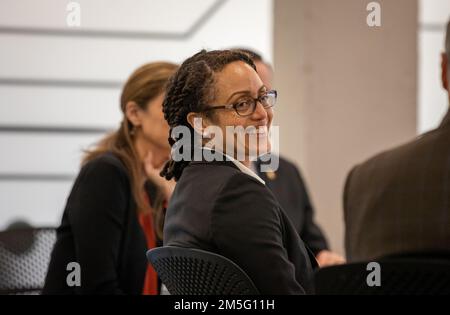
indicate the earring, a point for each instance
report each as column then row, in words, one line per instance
column 132, row 131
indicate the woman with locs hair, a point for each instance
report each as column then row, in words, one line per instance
column 115, row 210
column 222, row 206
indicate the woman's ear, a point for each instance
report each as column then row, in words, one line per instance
column 132, row 111
column 197, row 122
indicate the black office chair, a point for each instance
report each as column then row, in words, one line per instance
column 187, row 271
column 399, row 276
column 24, row 258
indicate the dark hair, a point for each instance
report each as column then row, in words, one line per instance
column 190, row 89
column 256, row 57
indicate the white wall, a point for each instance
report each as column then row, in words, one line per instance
column 432, row 98
column 347, row 91
column 60, row 86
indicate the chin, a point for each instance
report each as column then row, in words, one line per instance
column 263, row 148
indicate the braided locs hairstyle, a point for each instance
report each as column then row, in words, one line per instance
column 191, row 89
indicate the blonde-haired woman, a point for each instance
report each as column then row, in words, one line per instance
column 115, row 210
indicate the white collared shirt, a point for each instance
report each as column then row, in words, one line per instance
column 244, row 169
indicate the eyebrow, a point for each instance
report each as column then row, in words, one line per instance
column 245, row 92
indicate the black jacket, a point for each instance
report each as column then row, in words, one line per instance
column 288, row 186
column 216, row 207
column 100, row 230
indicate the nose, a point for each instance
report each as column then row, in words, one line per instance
column 260, row 112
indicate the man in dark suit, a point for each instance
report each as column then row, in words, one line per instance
column 288, row 186
column 398, row 202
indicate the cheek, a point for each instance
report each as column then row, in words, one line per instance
column 156, row 118
column 221, row 121
column 269, row 116
column 154, row 126
column 147, row 127
column 234, row 121
column 156, row 112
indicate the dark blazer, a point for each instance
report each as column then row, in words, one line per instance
column 218, row 208
column 399, row 201
column 100, row 230
column 288, row 186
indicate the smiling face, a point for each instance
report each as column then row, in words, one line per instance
column 238, row 82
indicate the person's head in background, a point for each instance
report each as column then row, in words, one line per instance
column 446, row 62
column 264, row 69
column 204, row 86
column 142, row 134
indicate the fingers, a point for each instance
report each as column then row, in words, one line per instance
column 328, row 258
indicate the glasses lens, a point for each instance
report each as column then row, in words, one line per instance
column 246, row 107
column 269, row 99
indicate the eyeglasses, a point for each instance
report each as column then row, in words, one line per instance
column 247, row 106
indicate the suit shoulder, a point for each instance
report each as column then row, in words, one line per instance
column 105, row 165
column 211, row 169
column 285, row 165
column 241, row 191
column 399, row 155
column 247, row 192
column 201, row 179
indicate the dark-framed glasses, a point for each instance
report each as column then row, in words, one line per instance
column 247, row 106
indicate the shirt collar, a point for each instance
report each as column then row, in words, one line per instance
column 244, row 169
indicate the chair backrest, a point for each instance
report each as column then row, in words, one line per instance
column 24, row 258
column 397, row 276
column 187, row 271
